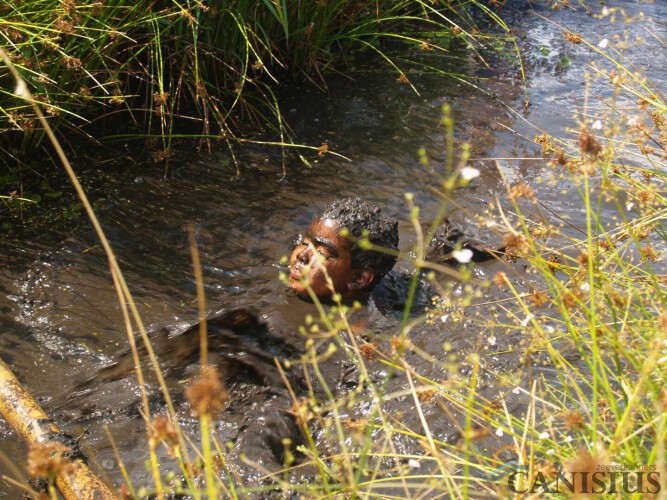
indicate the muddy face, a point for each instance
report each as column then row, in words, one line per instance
column 323, row 252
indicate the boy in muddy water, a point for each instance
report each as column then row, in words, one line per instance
column 257, row 418
column 329, row 259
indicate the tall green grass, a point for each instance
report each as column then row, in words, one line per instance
column 214, row 63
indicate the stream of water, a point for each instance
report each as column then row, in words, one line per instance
column 59, row 313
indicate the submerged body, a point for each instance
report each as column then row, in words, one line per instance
column 258, row 417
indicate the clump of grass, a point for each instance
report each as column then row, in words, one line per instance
column 591, row 308
column 216, row 64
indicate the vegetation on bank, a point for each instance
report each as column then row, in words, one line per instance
column 201, row 69
column 216, row 64
column 158, row 71
column 595, row 315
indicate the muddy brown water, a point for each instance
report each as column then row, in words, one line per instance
column 59, row 314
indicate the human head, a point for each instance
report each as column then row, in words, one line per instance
column 353, row 270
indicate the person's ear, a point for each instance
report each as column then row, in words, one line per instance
column 362, row 279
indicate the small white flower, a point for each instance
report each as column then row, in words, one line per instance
column 544, row 435
column 603, row 43
column 463, row 256
column 549, row 329
column 551, row 451
column 632, row 121
column 492, row 340
column 444, row 317
column 568, row 439
column 469, row 173
column 414, row 464
column 629, row 205
column 499, row 432
column 597, row 125
column 526, row 320
column 585, row 287
column 516, row 390
column 21, row 90
column 605, row 11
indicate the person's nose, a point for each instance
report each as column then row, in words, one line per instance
column 305, row 255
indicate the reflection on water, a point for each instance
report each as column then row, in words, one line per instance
column 60, row 315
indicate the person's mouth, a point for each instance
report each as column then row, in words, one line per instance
column 296, row 271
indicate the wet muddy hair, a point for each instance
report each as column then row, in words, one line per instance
column 357, row 217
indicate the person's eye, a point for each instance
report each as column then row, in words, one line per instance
column 296, row 242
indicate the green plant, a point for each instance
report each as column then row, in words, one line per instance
column 166, row 63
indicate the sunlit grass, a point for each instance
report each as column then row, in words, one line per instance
column 169, row 63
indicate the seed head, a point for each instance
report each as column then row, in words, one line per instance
column 516, row 245
column 48, row 460
column 538, row 298
column 588, row 144
column 585, row 462
column 399, row 344
column 544, row 141
column 72, row 62
column 402, row 79
column 521, row 190
column 63, row 26
column 573, row 420
column 206, row 394
column 649, row 253
column 427, row 394
column 500, row 279
column 356, row 424
column 571, row 298
column 368, row 350
column 301, row 411
column 160, row 98
column 162, row 429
